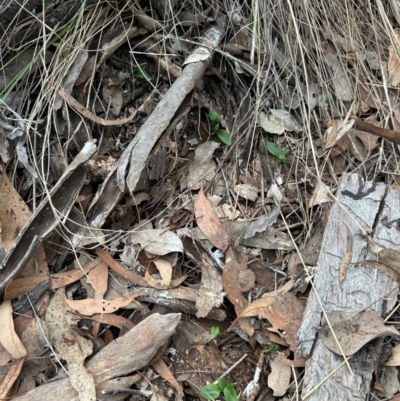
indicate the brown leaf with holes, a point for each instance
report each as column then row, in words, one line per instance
column 209, row 223
column 89, row 306
column 72, row 347
column 285, row 314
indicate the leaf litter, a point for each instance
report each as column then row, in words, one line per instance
column 129, row 231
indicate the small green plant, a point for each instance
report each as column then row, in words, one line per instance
column 213, row 390
column 141, row 74
column 279, row 153
column 214, row 331
column 272, row 348
column 223, row 135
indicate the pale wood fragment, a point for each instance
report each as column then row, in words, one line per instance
column 363, row 288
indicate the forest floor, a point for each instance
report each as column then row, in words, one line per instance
column 166, row 198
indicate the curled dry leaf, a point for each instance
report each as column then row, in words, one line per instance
column 209, row 223
column 353, row 331
column 72, row 347
column 346, row 258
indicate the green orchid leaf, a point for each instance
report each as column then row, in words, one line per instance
column 230, row 393
column 210, row 391
column 222, row 383
column 214, row 117
column 214, row 331
column 141, row 74
column 224, row 136
column 273, row 149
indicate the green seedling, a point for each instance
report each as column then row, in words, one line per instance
column 279, row 153
column 223, row 135
column 213, row 390
column 141, row 74
column 272, row 348
column 214, row 331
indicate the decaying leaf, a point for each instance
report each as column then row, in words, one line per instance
column 209, row 223
column 261, row 224
column 210, row 291
column 246, row 191
column 89, row 306
column 72, row 347
column 353, row 331
column 278, row 121
column 340, row 77
column 336, row 131
column 285, row 313
column 279, row 378
column 157, row 242
column 253, row 308
column 165, row 269
column 202, row 167
column 8, row 337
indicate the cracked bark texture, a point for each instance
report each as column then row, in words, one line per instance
column 376, row 206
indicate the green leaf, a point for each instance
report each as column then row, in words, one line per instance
column 222, row 383
column 214, row 331
column 285, row 151
column 272, row 348
column 214, row 117
column 230, row 393
column 282, row 157
column 224, row 136
column 141, row 74
column 273, row 149
column 210, row 391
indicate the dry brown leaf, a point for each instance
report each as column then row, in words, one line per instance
column 120, row 269
column 72, row 347
column 22, row 286
column 11, row 376
column 338, row 129
column 98, row 279
column 14, row 214
column 279, row 378
column 121, row 322
column 253, row 308
column 394, row 61
column 285, row 314
column 353, row 331
column 63, row 279
column 159, row 284
column 210, row 291
column 8, row 337
column 231, row 283
column 209, row 223
column 89, row 307
column 165, row 269
column 162, row 369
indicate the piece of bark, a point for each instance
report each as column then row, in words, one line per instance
column 362, row 288
column 126, row 174
column 131, row 352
